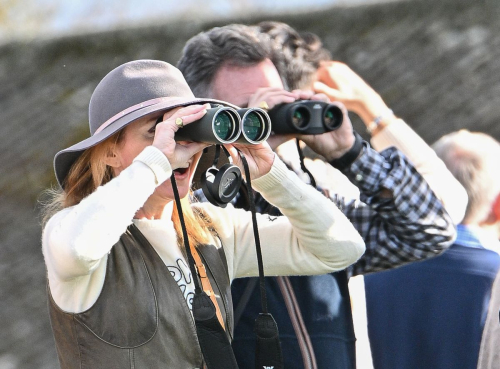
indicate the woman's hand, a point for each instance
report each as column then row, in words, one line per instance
column 178, row 153
column 260, row 158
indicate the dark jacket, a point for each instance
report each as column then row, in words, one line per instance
column 326, row 327
column 328, row 321
column 431, row 314
column 412, row 225
column 140, row 311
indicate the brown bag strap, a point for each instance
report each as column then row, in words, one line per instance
column 205, row 283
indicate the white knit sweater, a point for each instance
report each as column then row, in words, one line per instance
column 313, row 237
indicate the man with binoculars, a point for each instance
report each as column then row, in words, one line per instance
column 400, row 218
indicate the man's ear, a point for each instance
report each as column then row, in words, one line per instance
column 496, row 208
column 112, row 159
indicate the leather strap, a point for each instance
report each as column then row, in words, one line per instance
column 205, row 283
column 349, row 157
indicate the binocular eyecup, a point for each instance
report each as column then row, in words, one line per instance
column 225, row 125
column 306, row 117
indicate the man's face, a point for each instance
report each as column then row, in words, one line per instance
column 237, row 84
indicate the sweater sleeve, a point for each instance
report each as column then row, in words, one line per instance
column 440, row 180
column 77, row 238
column 313, row 236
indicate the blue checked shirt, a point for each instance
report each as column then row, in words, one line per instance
column 411, row 225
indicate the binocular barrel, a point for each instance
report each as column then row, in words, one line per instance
column 306, row 117
column 221, row 125
column 255, row 125
column 224, row 125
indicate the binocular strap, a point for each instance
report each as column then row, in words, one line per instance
column 312, row 181
column 268, row 347
column 214, row 342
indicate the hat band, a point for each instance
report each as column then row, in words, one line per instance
column 133, row 108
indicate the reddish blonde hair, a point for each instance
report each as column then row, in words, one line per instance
column 90, row 171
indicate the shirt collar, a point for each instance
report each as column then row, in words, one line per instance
column 474, row 236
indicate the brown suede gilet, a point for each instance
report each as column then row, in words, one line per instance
column 141, row 319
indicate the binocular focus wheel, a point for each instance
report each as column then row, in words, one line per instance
column 220, row 186
column 207, row 179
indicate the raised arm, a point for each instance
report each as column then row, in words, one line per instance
column 399, row 216
column 312, row 237
column 340, row 83
column 77, row 238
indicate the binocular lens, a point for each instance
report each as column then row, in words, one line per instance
column 308, row 117
column 224, row 125
column 300, row 117
column 333, row 117
column 329, row 116
column 253, row 126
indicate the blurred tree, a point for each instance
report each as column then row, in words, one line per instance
column 25, row 18
column 34, row 18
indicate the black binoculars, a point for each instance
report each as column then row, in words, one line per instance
column 306, row 117
column 224, row 125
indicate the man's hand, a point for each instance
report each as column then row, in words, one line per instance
column 332, row 145
column 272, row 96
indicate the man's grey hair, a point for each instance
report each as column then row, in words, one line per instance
column 472, row 158
column 205, row 53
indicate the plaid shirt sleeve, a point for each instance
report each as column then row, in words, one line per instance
column 411, row 225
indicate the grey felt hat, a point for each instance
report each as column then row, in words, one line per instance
column 127, row 93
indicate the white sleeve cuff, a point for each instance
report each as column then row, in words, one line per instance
column 278, row 173
column 404, row 138
column 157, row 162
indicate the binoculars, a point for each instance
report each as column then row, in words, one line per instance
column 224, row 125
column 306, row 117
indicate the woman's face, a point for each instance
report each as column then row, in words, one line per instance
column 136, row 137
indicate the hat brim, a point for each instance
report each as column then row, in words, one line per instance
column 64, row 159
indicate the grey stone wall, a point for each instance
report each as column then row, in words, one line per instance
column 435, row 63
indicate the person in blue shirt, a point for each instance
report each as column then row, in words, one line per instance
column 431, row 314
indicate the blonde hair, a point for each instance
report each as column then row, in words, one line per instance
column 90, row 171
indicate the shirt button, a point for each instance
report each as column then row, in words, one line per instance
column 359, row 177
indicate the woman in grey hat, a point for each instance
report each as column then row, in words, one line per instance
column 120, row 290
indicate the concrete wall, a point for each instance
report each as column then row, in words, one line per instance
column 436, row 63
